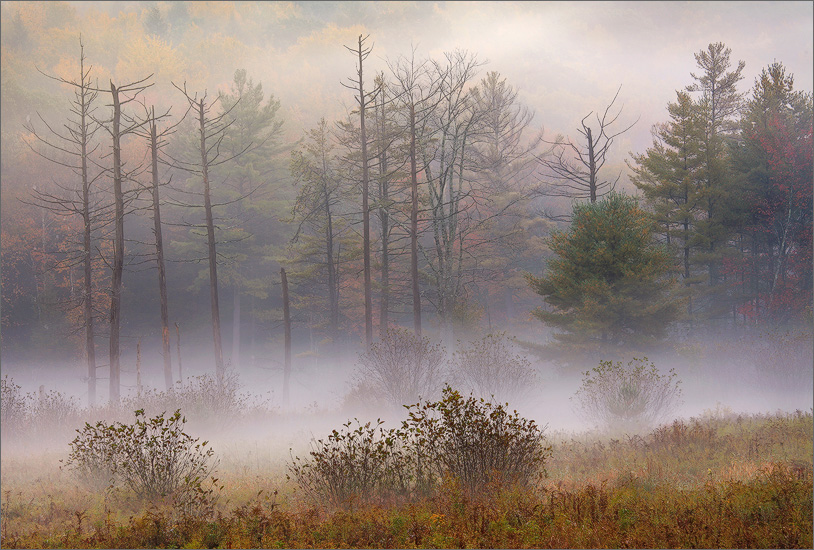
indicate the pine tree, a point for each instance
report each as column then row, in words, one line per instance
column 609, row 283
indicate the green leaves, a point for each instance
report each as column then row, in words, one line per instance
column 609, row 283
column 153, row 457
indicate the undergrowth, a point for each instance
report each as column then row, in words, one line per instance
column 720, row 481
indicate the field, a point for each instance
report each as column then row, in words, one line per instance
column 721, row 480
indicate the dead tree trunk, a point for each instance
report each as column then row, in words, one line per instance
column 414, row 225
column 118, row 252
column 363, row 100
column 159, row 251
column 287, row 325
column 211, row 250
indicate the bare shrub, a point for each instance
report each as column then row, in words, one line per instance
column 352, row 464
column 15, row 407
column 54, row 413
column 403, row 368
column 153, row 457
column 628, row 398
column 491, row 368
column 208, row 404
column 474, row 441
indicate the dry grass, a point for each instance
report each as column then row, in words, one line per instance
column 723, row 481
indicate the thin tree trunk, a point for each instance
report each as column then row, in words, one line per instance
column 220, row 370
column 236, row 327
column 178, row 349
column 159, row 250
column 90, row 345
column 365, row 207
column 384, row 304
column 414, row 225
column 118, row 252
column 287, row 325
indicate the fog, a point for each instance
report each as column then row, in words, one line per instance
column 565, row 59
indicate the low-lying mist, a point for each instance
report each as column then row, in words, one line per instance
column 755, row 375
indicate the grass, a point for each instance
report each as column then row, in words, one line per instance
column 719, row 481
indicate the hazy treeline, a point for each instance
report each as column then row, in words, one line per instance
column 424, row 206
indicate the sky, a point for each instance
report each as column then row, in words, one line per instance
column 566, row 58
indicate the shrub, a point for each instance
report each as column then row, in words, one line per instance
column 153, row 457
column 403, row 367
column 352, row 463
column 15, row 407
column 630, row 398
column 207, row 404
column 492, row 369
column 474, row 441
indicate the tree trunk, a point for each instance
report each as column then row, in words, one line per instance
column 178, row 349
column 159, row 251
column 118, row 252
column 220, row 370
column 365, row 206
column 414, row 225
column 87, row 311
column 287, row 325
column 236, row 328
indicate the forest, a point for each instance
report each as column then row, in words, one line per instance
column 176, row 238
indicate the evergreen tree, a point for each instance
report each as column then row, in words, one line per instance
column 609, row 283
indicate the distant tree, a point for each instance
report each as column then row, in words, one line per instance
column 363, row 100
column 774, row 161
column 717, row 106
column 668, row 174
column 74, row 148
column 248, row 192
column 212, row 126
column 573, row 168
column 609, row 285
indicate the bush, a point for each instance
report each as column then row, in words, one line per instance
column 403, row 368
column 153, row 457
column 630, row 398
column 15, row 407
column 351, row 464
column 474, row 441
column 490, row 368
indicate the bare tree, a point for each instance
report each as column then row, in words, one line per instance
column 211, row 129
column 363, row 100
column 416, row 98
column 72, row 149
column 574, row 168
column 156, row 142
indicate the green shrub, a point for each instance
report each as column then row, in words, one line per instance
column 474, row 441
column 628, row 398
column 351, row 464
column 153, row 457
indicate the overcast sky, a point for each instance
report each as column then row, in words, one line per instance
column 566, row 58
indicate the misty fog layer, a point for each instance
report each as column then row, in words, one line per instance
column 477, row 121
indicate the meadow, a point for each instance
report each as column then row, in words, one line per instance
column 719, row 480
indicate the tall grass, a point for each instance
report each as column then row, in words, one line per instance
column 721, row 480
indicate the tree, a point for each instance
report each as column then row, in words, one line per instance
column 73, row 150
column 608, row 284
column 668, row 174
column 574, row 168
column 253, row 142
column 718, row 104
column 774, row 161
column 120, row 95
column 320, row 193
column 211, row 131
column 363, row 100
column 415, row 96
